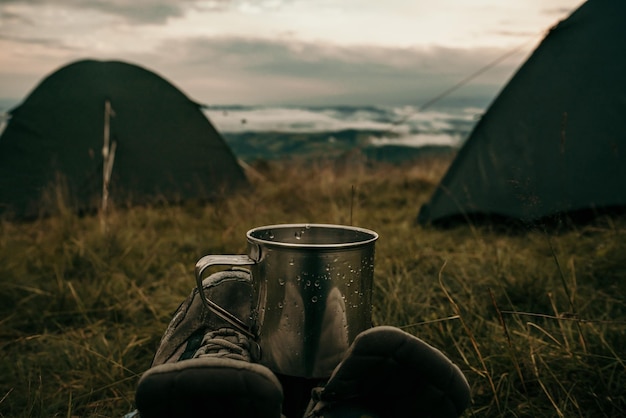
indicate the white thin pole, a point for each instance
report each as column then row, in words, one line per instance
column 108, row 156
column 105, row 156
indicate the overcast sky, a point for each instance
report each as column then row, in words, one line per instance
column 361, row 52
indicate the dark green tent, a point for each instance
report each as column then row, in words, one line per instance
column 554, row 140
column 161, row 145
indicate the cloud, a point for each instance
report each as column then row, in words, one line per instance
column 558, row 12
column 237, row 70
column 136, row 11
column 39, row 36
column 36, row 41
column 13, row 18
column 297, row 72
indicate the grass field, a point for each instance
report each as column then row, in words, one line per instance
column 536, row 319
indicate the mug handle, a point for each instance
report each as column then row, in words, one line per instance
column 223, row 260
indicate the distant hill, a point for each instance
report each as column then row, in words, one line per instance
column 401, row 153
column 253, row 146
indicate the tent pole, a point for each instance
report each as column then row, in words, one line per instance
column 108, row 156
column 105, row 155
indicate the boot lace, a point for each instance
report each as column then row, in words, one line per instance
column 224, row 342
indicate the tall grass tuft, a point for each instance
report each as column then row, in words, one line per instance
column 535, row 319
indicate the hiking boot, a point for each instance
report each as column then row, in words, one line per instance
column 205, row 367
column 388, row 373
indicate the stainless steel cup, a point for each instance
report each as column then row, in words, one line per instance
column 312, row 288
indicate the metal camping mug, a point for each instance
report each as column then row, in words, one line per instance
column 311, row 293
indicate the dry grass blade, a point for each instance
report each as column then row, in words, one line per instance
column 82, row 310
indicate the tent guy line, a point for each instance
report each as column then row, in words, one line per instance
column 445, row 93
column 550, row 142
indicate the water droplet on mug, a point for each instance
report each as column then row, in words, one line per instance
column 291, row 262
column 308, row 283
column 271, row 234
column 280, row 305
column 317, row 283
column 314, row 299
column 281, row 281
column 298, row 235
column 307, row 226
